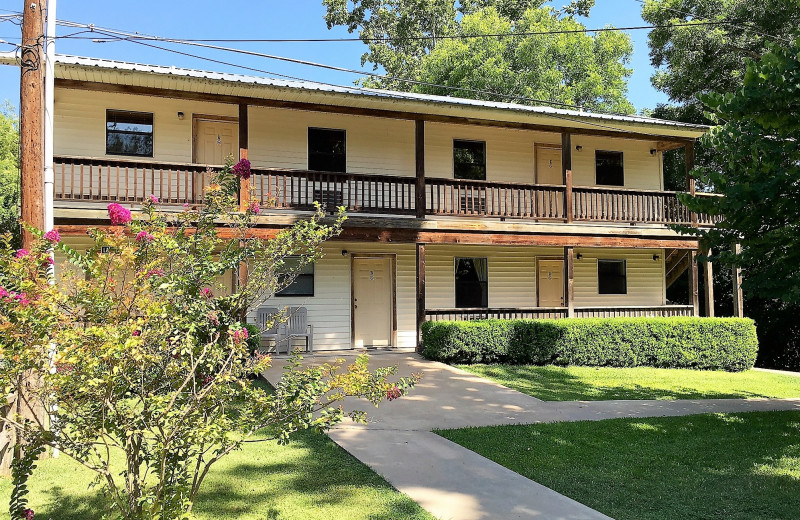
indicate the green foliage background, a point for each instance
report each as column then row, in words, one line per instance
column 9, row 172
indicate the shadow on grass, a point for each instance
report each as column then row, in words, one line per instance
column 717, row 466
column 552, row 383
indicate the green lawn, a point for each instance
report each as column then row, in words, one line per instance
column 732, row 467
column 552, row 383
column 312, row 478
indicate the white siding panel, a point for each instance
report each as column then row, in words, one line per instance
column 646, row 285
column 642, row 170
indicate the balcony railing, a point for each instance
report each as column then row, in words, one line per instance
column 556, row 312
column 102, row 180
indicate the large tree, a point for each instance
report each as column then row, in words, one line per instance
column 424, row 41
column 9, row 172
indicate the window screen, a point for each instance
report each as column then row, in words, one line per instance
column 612, row 277
column 303, row 285
column 129, row 133
column 609, row 168
column 327, row 150
column 469, row 160
column 472, row 283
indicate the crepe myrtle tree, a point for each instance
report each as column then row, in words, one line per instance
column 141, row 352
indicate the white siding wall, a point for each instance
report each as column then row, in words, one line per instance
column 642, row 170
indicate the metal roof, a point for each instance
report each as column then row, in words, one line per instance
column 122, row 72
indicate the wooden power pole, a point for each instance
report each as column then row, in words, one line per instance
column 31, row 118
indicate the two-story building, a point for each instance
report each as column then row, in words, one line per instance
column 458, row 209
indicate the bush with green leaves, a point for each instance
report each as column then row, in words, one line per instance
column 142, row 353
column 701, row 343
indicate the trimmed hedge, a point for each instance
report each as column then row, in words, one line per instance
column 701, row 343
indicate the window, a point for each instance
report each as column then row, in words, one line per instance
column 609, row 169
column 612, row 277
column 326, row 150
column 129, row 133
column 303, row 284
column 472, row 283
column 469, row 160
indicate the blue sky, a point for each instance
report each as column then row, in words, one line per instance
column 266, row 19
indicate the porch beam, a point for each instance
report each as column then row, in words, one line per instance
column 389, row 114
column 690, row 183
column 569, row 281
column 694, row 297
column 244, row 184
column 708, row 281
column 738, row 297
column 411, row 236
column 420, row 293
column 419, row 145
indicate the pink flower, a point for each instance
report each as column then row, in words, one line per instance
column 242, row 169
column 155, row 272
column 154, row 199
column 144, row 236
column 48, row 260
column 118, row 215
column 136, row 333
column 3, row 292
column 255, row 208
column 22, row 253
column 213, row 317
column 53, row 236
column 205, row 291
column 185, row 205
column 239, row 335
column 28, row 514
column 393, row 393
column 22, row 298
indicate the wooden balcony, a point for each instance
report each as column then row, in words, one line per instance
column 112, row 180
column 556, row 312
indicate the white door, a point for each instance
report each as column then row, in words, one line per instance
column 373, row 302
column 548, row 165
column 216, row 141
column 550, row 281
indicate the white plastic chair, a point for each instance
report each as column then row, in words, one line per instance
column 298, row 327
column 265, row 316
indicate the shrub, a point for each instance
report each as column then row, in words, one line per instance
column 701, row 343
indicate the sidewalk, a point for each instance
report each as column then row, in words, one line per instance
column 452, row 482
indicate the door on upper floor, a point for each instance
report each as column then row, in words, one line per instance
column 548, row 164
column 550, row 283
column 215, row 140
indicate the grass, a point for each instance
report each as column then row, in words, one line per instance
column 552, row 383
column 721, row 466
column 311, row 478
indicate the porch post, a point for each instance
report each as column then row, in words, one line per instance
column 690, row 184
column 244, row 186
column 694, row 297
column 708, row 279
column 419, row 144
column 569, row 285
column 420, row 292
column 738, row 298
column 566, row 167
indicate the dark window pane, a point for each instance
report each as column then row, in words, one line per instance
column 129, row 133
column 469, row 160
column 609, row 168
column 327, row 150
column 612, row 277
column 472, row 282
column 303, row 284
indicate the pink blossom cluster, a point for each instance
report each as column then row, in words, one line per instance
column 255, row 208
column 118, row 215
column 242, row 169
column 239, row 335
column 11, row 296
column 154, row 199
column 22, row 253
column 205, row 291
column 393, row 393
column 136, row 333
column 155, row 272
column 144, row 236
column 53, row 236
column 28, row 514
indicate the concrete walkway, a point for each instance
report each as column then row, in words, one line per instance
column 452, row 482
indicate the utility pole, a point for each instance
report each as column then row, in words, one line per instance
column 31, row 103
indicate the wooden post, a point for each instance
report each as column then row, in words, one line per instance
column 31, row 120
column 244, row 186
column 566, row 169
column 419, row 141
column 738, row 298
column 569, row 281
column 694, row 296
column 420, row 292
column 708, row 279
column 690, row 184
